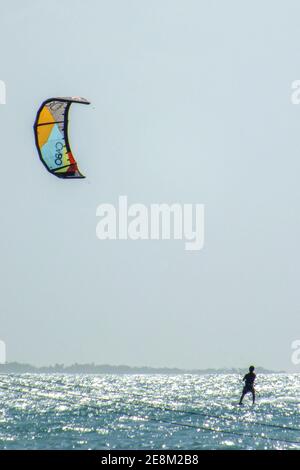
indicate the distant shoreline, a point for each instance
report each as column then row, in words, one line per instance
column 19, row 368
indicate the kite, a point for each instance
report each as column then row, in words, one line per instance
column 51, row 137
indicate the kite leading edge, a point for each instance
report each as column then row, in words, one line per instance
column 51, row 136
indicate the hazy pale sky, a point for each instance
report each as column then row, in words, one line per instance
column 190, row 104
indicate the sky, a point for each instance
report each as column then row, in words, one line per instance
column 191, row 103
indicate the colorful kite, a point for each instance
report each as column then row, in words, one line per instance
column 51, row 137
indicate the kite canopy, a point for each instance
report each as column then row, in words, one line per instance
column 51, row 136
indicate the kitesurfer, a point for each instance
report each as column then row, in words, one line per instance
column 249, row 384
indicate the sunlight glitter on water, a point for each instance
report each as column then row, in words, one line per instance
column 147, row 412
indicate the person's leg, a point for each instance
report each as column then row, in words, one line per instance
column 242, row 397
column 253, row 396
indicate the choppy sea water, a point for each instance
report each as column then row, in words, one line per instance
column 147, row 412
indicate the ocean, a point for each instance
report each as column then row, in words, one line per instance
column 172, row 412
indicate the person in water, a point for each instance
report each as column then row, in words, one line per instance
column 249, row 384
